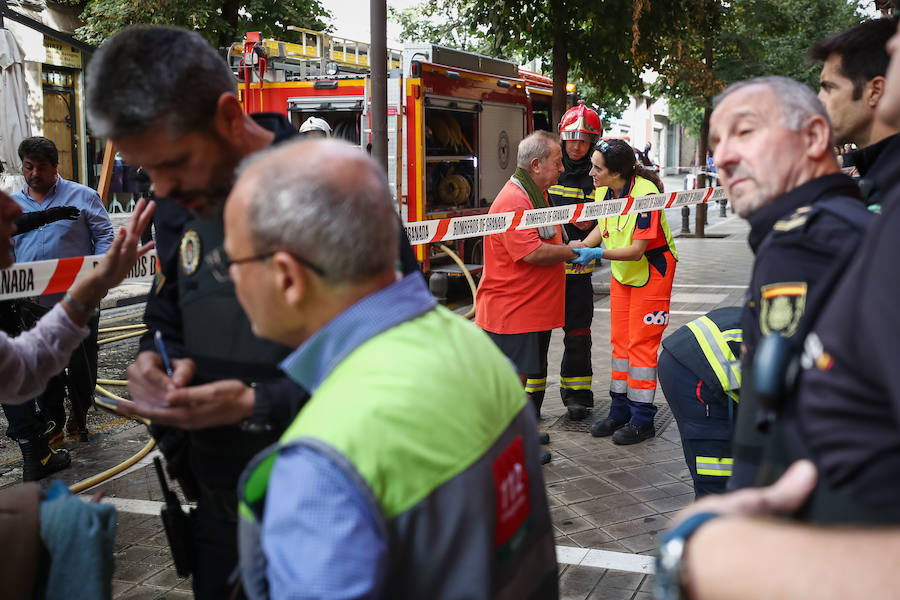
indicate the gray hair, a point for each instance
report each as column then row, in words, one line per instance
column 327, row 202
column 537, row 145
column 149, row 75
column 796, row 101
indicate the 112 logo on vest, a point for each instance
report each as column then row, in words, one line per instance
column 659, row 317
column 513, row 504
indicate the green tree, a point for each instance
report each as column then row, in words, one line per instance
column 441, row 22
column 584, row 38
column 221, row 22
column 709, row 44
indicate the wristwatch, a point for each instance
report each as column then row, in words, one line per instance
column 671, row 552
column 80, row 307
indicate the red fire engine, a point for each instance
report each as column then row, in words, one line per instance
column 455, row 118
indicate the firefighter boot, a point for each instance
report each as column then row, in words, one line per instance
column 39, row 460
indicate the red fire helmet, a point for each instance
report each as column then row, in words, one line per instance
column 580, row 123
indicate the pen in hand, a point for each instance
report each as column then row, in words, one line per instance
column 160, row 347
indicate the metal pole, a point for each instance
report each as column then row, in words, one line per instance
column 378, row 68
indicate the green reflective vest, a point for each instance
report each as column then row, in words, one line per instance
column 452, row 470
column 621, row 230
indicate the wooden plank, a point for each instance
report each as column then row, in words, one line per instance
column 109, row 159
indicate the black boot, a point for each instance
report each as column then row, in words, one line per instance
column 607, row 427
column 632, row 434
column 39, row 460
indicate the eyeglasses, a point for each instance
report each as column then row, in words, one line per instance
column 602, row 146
column 219, row 263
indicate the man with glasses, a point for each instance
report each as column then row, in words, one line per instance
column 169, row 102
column 447, row 500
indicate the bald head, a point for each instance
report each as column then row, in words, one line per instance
column 324, row 201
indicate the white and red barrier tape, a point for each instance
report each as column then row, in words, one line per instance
column 24, row 280
column 454, row 228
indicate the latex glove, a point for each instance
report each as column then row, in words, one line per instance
column 586, row 255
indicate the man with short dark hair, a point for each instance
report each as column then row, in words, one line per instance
column 851, row 85
column 521, row 297
column 169, row 102
column 446, row 500
column 90, row 232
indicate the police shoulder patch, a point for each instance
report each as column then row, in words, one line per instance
column 781, row 307
column 190, row 252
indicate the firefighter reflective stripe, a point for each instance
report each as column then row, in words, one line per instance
column 575, row 383
column 566, row 192
column 619, row 386
column 535, row 385
column 586, row 271
column 710, row 465
column 714, row 344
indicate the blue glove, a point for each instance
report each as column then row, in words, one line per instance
column 586, row 255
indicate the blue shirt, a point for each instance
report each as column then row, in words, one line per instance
column 319, row 533
column 91, row 233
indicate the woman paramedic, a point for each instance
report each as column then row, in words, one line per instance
column 642, row 257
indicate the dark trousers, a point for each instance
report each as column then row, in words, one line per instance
column 536, row 383
column 704, row 422
column 216, row 555
column 575, row 371
column 32, row 418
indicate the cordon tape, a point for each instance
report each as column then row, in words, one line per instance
column 24, row 280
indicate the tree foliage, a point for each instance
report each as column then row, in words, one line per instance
column 587, row 41
column 221, row 22
column 709, row 44
column 441, row 22
column 743, row 39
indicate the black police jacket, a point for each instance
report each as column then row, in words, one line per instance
column 795, row 245
column 217, row 336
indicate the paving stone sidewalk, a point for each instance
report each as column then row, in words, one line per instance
column 602, row 497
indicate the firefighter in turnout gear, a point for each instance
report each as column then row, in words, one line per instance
column 579, row 129
column 700, row 375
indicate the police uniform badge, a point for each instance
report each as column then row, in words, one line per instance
column 190, row 252
column 782, row 305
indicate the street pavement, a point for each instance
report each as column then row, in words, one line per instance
column 609, row 503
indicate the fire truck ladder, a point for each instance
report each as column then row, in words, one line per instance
column 317, row 54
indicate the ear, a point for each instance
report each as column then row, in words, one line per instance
column 290, row 278
column 874, row 90
column 535, row 164
column 229, row 119
column 817, row 136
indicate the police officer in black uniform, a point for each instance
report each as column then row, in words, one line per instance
column 579, row 129
column 700, row 375
column 804, row 215
column 169, row 102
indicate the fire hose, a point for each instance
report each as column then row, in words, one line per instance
column 148, row 447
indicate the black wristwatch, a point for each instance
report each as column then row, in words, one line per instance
column 671, row 552
column 258, row 422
